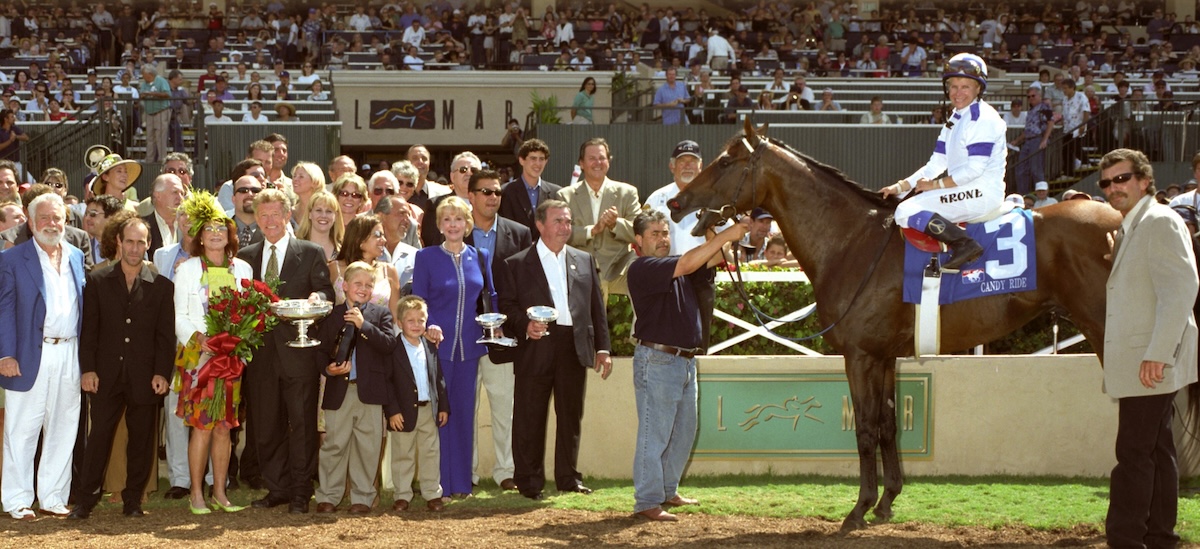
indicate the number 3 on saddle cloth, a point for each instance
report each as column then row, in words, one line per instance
column 1008, row 264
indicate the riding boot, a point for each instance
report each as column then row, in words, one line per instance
column 963, row 248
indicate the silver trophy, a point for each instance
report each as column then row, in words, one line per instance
column 302, row 313
column 542, row 313
column 491, row 322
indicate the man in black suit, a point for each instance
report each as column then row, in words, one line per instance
column 24, row 232
column 126, row 352
column 464, row 165
column 502, row 238
column 523, row 194
column 281, row 382
column 167, row 195
column 552, row 358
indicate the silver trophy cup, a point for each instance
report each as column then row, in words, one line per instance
column 302, row 313
column 542, row 313
column 491, row 322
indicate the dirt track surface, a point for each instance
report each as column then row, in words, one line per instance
column 501, row 529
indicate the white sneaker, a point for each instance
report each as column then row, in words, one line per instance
column 59, row 510
column 24, row 513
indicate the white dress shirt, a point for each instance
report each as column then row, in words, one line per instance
column 62, row 316
column 555, row 267
column 280, row 253
column 420, row 367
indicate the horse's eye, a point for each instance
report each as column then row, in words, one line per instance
column 725, row 161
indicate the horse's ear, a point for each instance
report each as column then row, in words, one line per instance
column 762, row 130
column 748, row 129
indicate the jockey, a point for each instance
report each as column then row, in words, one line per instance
column 971, row 151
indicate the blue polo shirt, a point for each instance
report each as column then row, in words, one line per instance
column 666, row 307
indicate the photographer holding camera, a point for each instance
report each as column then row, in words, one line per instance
column 513, row 137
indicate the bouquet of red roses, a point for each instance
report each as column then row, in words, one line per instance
column 237, row 320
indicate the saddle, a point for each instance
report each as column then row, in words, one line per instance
column 926, row 243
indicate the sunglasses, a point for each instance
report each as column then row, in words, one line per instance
column 488, row 192
column 349, row 194
column 379, row 191
column 1125, row 177
column 94, row 213
column 216, row 229
column 408, row 184
column 465, row 169
column 177, row 171
column 247, row 190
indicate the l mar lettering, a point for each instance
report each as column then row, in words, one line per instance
column 961, row 195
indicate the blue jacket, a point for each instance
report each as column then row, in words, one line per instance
column 23, row 308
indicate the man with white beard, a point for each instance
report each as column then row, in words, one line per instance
column 685, row 164
column 41, row 289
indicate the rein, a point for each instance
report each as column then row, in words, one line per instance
column 728, row 212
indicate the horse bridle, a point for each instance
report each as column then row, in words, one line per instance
column 729, row 211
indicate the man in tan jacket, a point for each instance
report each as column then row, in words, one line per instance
column 1149, row 351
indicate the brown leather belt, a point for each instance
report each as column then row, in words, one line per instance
column 57, row 340
column 685, row 353
column 423, row 403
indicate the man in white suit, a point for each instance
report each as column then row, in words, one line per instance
column 1149, row 351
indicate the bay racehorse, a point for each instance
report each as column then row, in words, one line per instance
column 844, row 238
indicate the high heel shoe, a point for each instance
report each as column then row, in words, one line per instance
column 218, row 506
column 198, row 510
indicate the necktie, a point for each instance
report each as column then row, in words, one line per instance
column 273, row 265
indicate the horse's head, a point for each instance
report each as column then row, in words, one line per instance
column 726, row 186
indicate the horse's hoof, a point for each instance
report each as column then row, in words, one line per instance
column 882, row 516
column 852, row 523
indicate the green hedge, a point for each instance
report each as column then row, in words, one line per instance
column 780, row 298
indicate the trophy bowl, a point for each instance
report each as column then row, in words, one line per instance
column 542, row 313
column 490, row 323
column 302, row 313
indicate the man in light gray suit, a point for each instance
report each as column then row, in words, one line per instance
column 1149, row 351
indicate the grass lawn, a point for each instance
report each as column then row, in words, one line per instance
column 991, row 502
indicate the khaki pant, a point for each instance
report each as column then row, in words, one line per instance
column 353, row 437
column 417, row 452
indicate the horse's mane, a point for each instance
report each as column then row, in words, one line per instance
column 872, row 197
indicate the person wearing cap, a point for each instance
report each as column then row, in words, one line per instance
column 155, row 92
column 1149, row 351
column 754, row 246
column 740, row 101
column 1041, row 192
column 971, row 151
column 666, row 291
column 684, row 164
column 671, row 98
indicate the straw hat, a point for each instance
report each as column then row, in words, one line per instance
column 109, row 162
column 284, row 105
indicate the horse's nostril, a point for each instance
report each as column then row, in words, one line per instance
column 673, row 204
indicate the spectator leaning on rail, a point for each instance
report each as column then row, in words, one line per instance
column 971, row 151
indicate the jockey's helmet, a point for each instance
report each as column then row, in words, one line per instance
column 967, row 65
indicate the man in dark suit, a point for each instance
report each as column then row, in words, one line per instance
column 24, row 232
column 281, row 382
column 41, row 282
column 166, row 197
column 552, row 358
column 523, row 194
column 501, row 238
column 126, row 352
column 464, row 165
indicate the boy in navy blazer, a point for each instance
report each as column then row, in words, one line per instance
column 420, row 393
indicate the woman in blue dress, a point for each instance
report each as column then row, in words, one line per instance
column 451, row 278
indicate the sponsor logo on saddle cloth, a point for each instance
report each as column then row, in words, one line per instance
column 1008, row 264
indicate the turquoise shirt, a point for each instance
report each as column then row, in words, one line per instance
column 159, row 85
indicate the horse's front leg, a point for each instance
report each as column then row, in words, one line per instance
column 893, row 477
column 864, row 392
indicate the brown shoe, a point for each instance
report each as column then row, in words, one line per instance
column 435, row 505
column 657, row 515
column 508, row 484
column 400, row 505
column 326, row 508
column 679, row 501
column 359, row 509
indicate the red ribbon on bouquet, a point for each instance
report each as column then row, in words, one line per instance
column 223, row 365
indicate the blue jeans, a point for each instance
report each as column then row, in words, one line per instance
column 665, row 386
